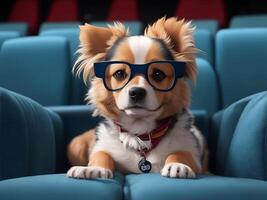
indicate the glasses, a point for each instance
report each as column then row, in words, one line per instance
column 161, row 75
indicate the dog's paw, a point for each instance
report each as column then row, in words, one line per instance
column 177, row 170
column 133, row 142
column 89, row 172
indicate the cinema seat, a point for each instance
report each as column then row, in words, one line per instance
column 121, row 10
column 241, row 60
column 205, row 9
column 26, row 11
column 19, row 27
column 205, row 94
column 135, row 27
column 210, row 25
column 6, row 35
column 58, row 25
column 31, row 160
column 72, row 35
column 63, row 11
column 37, row 67
column 204, row 41
column 249, row 21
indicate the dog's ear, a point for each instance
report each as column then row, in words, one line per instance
column 94, row 44
column 178, row 37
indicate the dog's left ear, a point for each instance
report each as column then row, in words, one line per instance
column 94, row 44
column 178, row 37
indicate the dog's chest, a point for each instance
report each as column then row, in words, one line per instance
column 127, row 158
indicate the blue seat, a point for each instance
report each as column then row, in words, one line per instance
column 58, row 187
column 204, row 41
column 72, row 35
column 33, row 154
column 37, row 67
column 249, row 21
column 20, row 27
column 58, row 25
column 6, row 35
column 241, row 60
column 135, row 27
column 205, row 94
column 209, row 25
column 154, row 186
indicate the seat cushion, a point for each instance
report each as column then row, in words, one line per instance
column 156, row 187
column 59, row 187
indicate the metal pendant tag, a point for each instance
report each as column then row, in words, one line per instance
column 144, row 165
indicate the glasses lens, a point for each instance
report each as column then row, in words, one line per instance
column 117, row 75
column 161, row 75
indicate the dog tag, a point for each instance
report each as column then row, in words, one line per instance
column 144, row 165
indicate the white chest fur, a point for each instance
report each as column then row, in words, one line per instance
column 127, row 158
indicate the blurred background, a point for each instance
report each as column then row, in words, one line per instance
column 36, row 12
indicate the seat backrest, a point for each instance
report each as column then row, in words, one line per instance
column 26, row 11
column 27, row 137
column 241, row 63
column 58, row 25
column 205, row 9
column 19, row 27
column 210, row 25
column 205, row 94
column 6, row 35
column 37, row 67
column 62, row 10
column 135, row 27
column 204, row 41
column 121, row 10
column 78, row 88
column 249, row 21
column 240, row 133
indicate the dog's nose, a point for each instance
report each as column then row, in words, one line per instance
column 137, row 94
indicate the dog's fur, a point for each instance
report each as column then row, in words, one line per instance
column 182, row 151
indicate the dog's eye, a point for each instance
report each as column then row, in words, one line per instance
column 158, row 75
column 120, row 75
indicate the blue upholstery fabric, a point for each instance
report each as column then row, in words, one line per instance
column 135, row 27
column 5, row 35
column 156, row 187
column 241, row 146
column 204, row 41
column 249, row 21
column 59, row 25
column 72, row 35
column 27, row 137
column 37, row 67
column 59, row 187
column 241, row 61
column 205, row 93
column 210, row 25
column 20, row 27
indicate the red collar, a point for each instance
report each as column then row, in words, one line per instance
column 156, row 134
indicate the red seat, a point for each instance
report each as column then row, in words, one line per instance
column 123, row 10
column 63, row 10
column 26, row 11
column 202, row 9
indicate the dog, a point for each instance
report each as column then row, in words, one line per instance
column 139, row 85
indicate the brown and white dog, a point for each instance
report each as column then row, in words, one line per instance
column 175, row 148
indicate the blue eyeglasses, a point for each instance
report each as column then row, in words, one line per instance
column 161, row 75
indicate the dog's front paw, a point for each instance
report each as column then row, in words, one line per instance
column 133, row 142
column 177, row 170
column 89, row 172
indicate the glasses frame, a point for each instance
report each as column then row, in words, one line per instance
column 100, row 70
